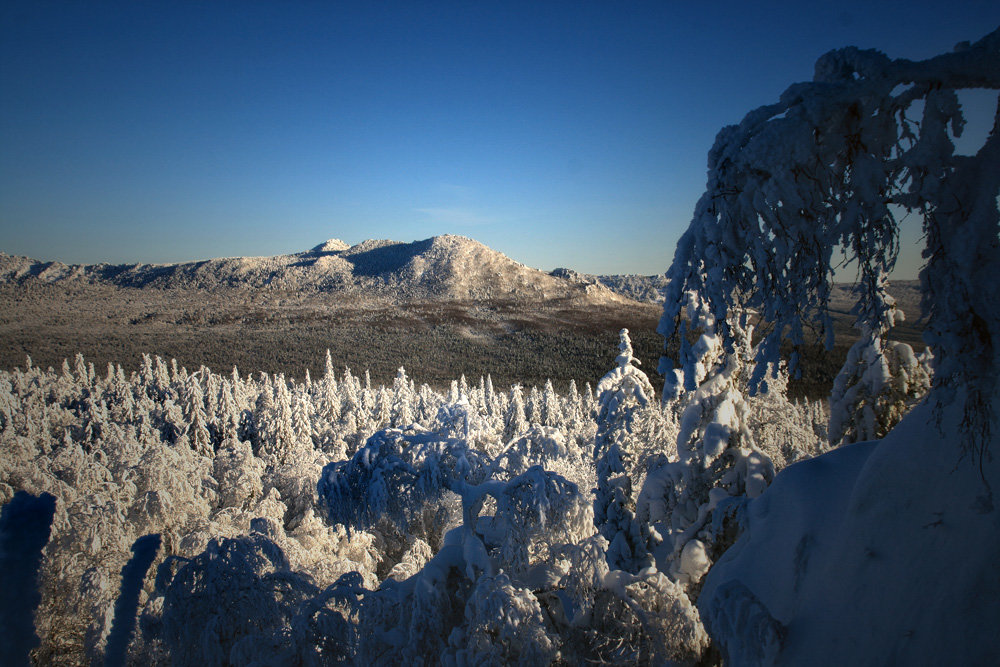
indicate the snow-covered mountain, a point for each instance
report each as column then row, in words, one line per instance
column 442, row 267
column 647, row 289
column 650, row 289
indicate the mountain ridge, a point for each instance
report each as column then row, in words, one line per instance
column 445, row 267
column 441, row 267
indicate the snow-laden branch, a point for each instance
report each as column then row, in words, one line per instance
column 819, row 172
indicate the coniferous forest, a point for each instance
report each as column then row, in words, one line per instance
column 459, row 503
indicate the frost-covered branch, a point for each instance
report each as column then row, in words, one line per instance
column 818, row 172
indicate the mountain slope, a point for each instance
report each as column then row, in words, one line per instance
column 442, row 267
column 439, row 268
column 647, row 289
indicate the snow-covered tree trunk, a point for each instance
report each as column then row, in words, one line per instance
column 841, row 538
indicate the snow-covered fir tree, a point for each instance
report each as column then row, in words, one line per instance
column 621, row 395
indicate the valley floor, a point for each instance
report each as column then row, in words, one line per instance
column 274, row 331
column 282, row 332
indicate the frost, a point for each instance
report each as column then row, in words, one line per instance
column 827, row 556
column 337, row 520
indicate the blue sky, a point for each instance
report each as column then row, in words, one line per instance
column 562, row 134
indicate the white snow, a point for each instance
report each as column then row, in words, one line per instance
column 441, row 267
column 880, row 552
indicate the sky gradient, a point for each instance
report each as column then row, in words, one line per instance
column 562, row 134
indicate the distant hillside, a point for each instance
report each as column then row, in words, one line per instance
column 440, row 268
column 647, row 289
column 650, row 289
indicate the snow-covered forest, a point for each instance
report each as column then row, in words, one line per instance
column 438, row 514
column 187, row 517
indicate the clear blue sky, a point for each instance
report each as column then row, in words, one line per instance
column 562, row 134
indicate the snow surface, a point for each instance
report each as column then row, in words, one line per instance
column 882, row 552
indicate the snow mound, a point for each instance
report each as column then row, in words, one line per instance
column 882, row 552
